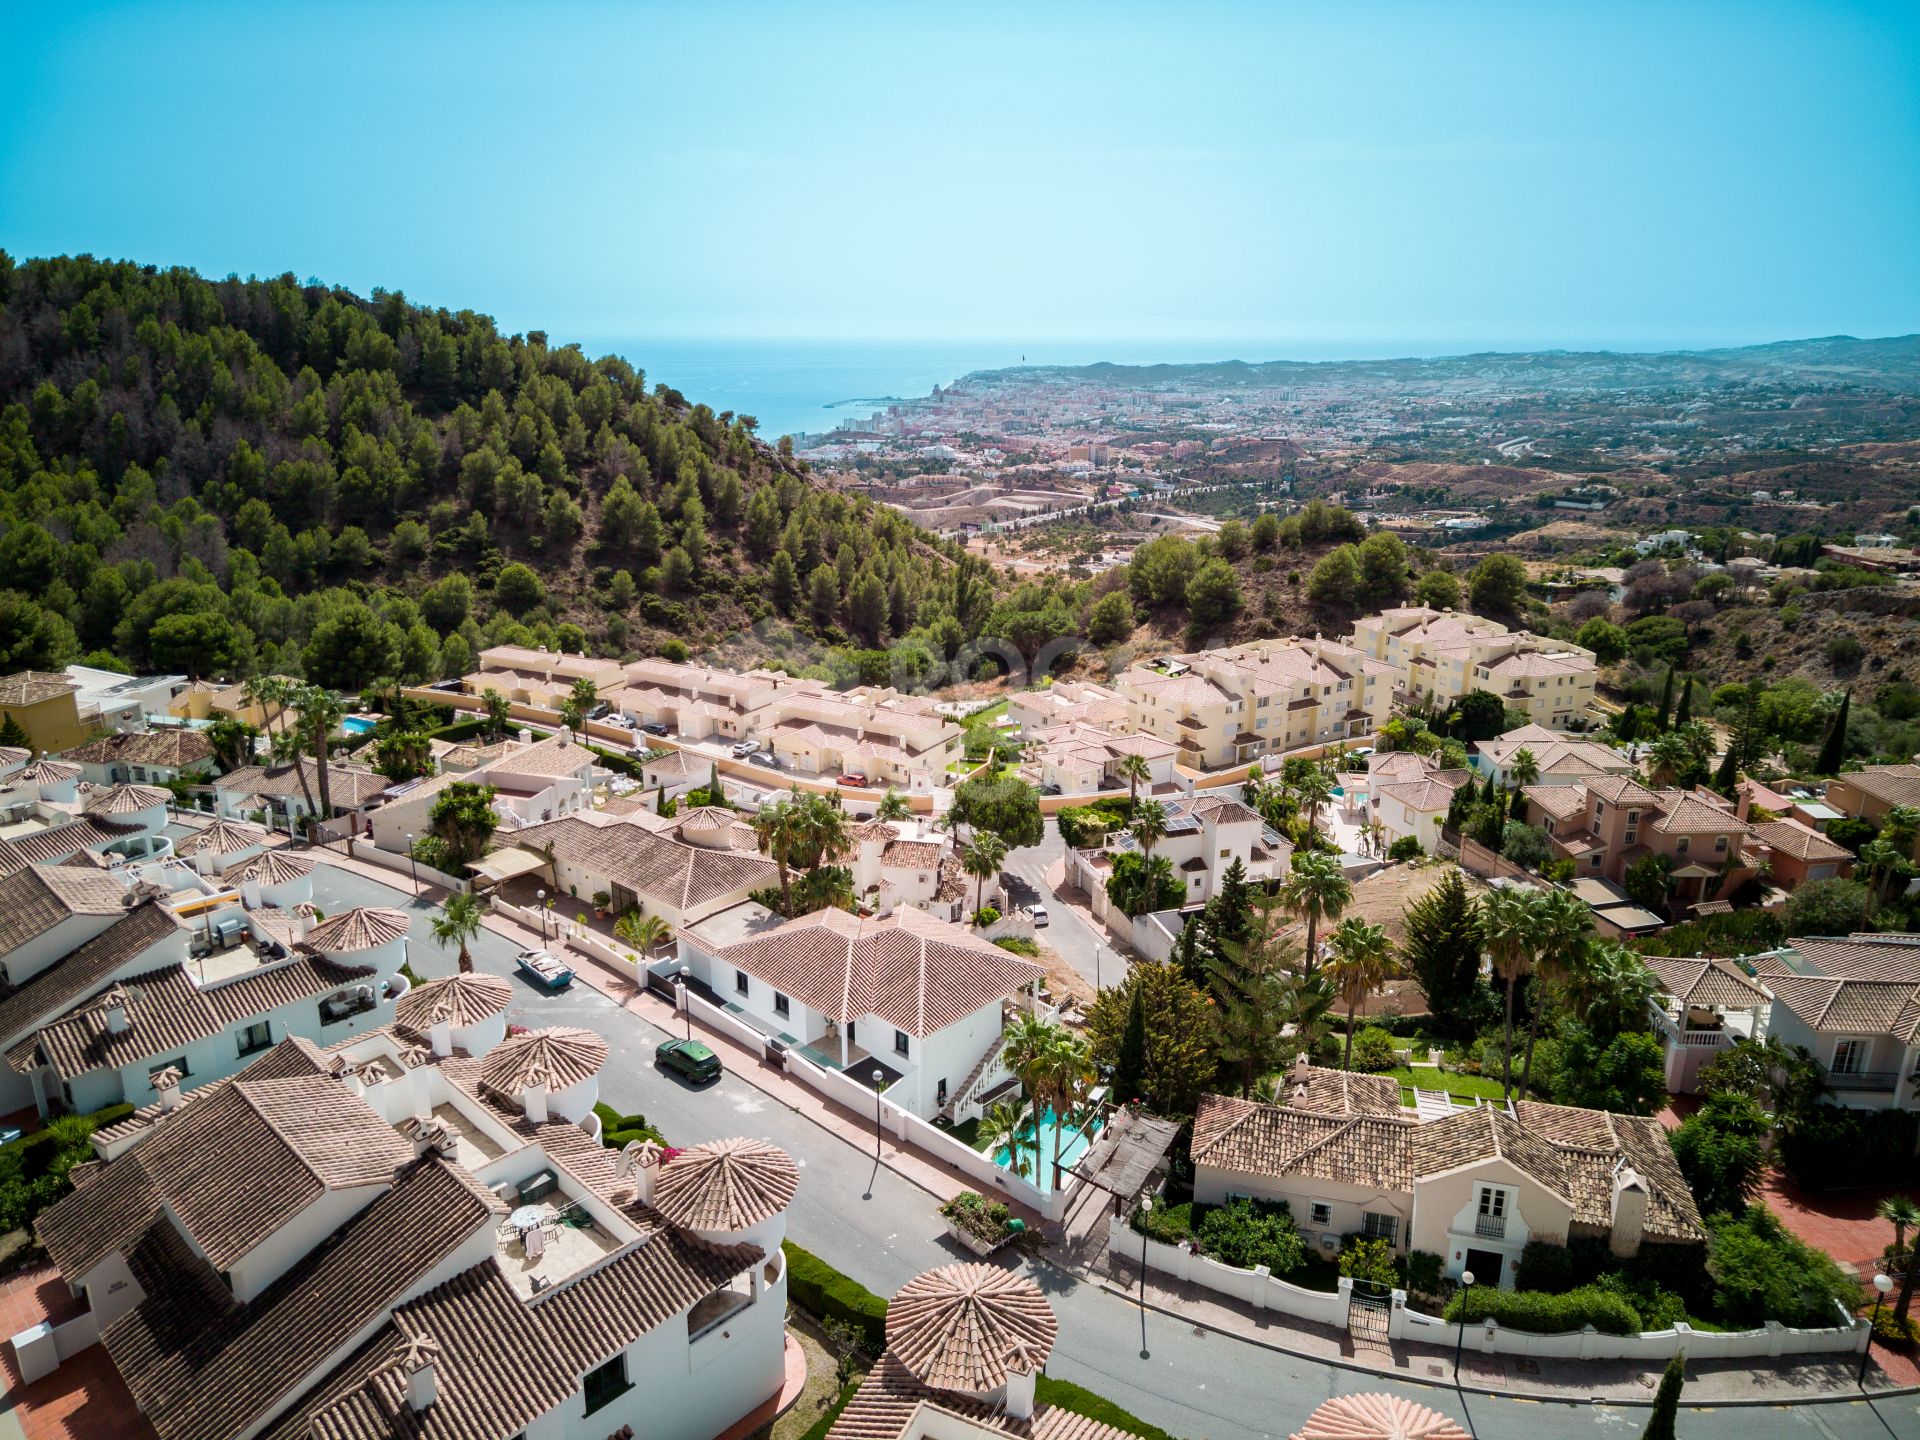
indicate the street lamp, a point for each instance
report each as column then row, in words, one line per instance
column 1466, row 1282
column 1146, row 1209
column 541, row 897
column 1882, row 1284
column 878, row 1076
column 413, row 864
column 686, row 999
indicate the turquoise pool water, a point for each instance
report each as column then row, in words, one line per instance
column 357, row 725
column 1339, row 790
column 1073, row 1144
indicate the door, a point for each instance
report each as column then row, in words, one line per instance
column 1485, row 1265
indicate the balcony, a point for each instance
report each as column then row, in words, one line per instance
column 1857, row 1082
column 1490, row 1227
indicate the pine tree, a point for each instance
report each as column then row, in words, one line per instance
column 1666, row 700
column 1130, row 1064
column 1189, row 954
column 1833, row 749
column 1442, row 949
column 12, row 734
column 1684, row 715
column 1666, row 1401
column 1729, row 771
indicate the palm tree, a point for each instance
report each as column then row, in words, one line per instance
column 1027, row 1056
column 284, row 745
column 1565, row 924
column 1880, row 861
column 982, row 861
column 645, row 933
column 1610, row 987
column 999, row 1129
column 1070, row 1075
column 777, row 826
column 1667, row 757
column 320, row 714
column 893, row 806
column 457, row 923
column 1315, row 789
column 822, row 837
column 1149, row 826
column 1523, row 770
column 1133, row 769
column 1510, row 931
column 1900, row 1212
column 1362, row 961
column 499, row 712
column 1315, row 890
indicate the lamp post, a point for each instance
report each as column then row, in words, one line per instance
column 1881, row 1285
column 686, row 999
column 413, row 864
column 541, row 897
column 1146, row 1209
column 878, row 1076
column 1466, row 1282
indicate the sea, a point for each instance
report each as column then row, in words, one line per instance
column 800, row 387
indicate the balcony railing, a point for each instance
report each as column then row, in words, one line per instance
column 1490, row 1227
column 1868, row 1081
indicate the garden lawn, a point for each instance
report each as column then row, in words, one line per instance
column 1429, row 1077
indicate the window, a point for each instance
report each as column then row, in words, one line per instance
column 1596, row 860
column 606, row 1384
column 1381, row 1227
column 1491, row 1220
column 180, row 1065
column 739, row 982
column 1320, row 1212
column 900, row 1042
column 1847, row 1056
column 1719, row 844
column 257, row 1036
column 783, row 1006
column 1680, row 846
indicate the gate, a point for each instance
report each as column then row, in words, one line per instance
column 1369, row 1304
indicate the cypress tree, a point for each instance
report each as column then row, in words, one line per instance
column 1833, row 748
column 1684, row 715
column 1130, row 1064
column 1729, row 770
column 1666, row 1401
column 1666, row 699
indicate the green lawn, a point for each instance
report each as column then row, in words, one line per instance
column 1428, row 1077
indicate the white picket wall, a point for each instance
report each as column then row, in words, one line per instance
column 366, row 850
column 1255, row 1287
column 1772, row 1339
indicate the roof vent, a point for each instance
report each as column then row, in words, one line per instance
column 418, row 1363
column 119, row 1014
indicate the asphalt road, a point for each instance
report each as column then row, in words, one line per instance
column 883, row 1230
column 1078, row 943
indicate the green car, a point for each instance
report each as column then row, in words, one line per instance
column 690, row 1058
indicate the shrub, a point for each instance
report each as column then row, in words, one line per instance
column 1892, row 1329
column 1169, row 1224
column 1827, row 907
column 1373, row 1050
column 1407, row 847
column 1721, row 1149
column 826, row 1294
column 617, row 1131
column 1740, row 932
column 1832, row 1147
column 1369, row 1259
column 1540, row 1313
column 1545, row 1265
column 1658, row 1309
column 978, row 1216
column 1019, row 945
column 985, row 916
column 1423, row 1271
column 1761, row 1272
column 1244, row 1234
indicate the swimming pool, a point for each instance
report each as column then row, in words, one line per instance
column 357, row 724
column 1073, row 1144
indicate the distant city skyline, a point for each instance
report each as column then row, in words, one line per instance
column 1286, row 181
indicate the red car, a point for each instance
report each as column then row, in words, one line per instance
column 854, row 777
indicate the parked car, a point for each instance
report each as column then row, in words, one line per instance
column 600, row 711
column 744, row 748
column 855, row 778
column 1038, row 914
column 545, row 969
column 654, row 727
column 688, row 1058
column 764, row 759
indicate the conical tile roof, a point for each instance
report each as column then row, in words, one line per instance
column 558, row 1057
column 362, row 928
column 965, row 1327
column 727, row 1185
column 1378, row 1417
column 459, row 999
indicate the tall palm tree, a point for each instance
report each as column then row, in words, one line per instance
column 893, row 806
column 1524, row 769
column 777, row 827
column 1362, row 961
column 1133, row 769
column 982, row 861
column 1027, row 1055
column 1315, row 789
column 1900, row 1212
column 320, row 714
column 645, row 933
column 822, row 835
column 499, row 711
column 1880, row 861
column 1315, row 890
column 1070, row 1075
column 1565, row 926
column 999, row 1130
column 271, row 694
column 1149, row 826
column 1667, row 756
column 1509, row 928
column 457, row 923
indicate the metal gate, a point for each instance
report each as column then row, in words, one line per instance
column 1369, row 1306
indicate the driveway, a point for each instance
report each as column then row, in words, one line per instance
column 1079, row 944
column 882, row 1230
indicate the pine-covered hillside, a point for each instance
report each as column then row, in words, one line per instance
column 229, row 477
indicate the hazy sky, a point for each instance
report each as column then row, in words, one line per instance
column 1541, row 172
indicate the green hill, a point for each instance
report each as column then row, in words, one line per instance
column 228, row 477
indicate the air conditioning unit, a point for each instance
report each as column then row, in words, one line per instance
column 1329, row 1242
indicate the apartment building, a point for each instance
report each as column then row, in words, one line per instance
column 419, row 1232
column 892, row 738
column 1443, row 654
column 1223, row 708
column 700, row 702
column 1067, row 702
column 1604, row 826
column 45, row 705
column 536, row 676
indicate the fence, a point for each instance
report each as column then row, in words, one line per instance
column 1259, row 1289
column 373, row 855
column 1476, row 859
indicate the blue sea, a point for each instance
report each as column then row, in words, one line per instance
column 799, row 387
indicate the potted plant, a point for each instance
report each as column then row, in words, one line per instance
column 601, row 900
column 980, row 1224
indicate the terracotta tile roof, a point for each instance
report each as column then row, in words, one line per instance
column 361, row 928
column 912, row 855
column 222, row 837
column 1706, row 982
column 1428, row 795
column 1802, row 842
column 351, row 786
column 1341, row 1092
column 1222, row 811
column 84, row 970
column 198, row 1369
column 461, row 1000
column 1243, row 1135
column 873, row 830
column 36, row 898
column 917, row 973
column 1684, row 814
column 273, row 867
column 725, row 1185
column 559, row 1055
column 126, row 799
column 676, row 762
column 1622, row 790
column 45, row 772
column 14, row 755
column 965, row 1327
column 1377, row 1417
column 655, row 867
column 173, row 749
column 1862, row 957
column 1893, row 784
column 552, row 758
column 1560, row 801
column 890, row 1398
column 30, row 687
column 1853, row 1007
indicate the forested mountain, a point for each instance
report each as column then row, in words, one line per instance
column 229, row 477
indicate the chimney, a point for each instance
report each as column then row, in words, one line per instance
column 526, row 736
column 639, row 1159
column 535, row 1099
column 250, row 893
column 302, row 922
column 1629, row 1210
column 440, row 1032
column 417, row 1362
column 1022, row 1367
column 1301, row 1065
column 203, row 860
column 166, row 1086
column 119, row 1021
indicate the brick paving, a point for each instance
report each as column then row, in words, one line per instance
column 85, row 1399
column 1840, row 1222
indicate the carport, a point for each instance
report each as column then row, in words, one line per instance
column 508, row 864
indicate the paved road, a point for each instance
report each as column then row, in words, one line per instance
column 1082, row 946
column 882, row 1230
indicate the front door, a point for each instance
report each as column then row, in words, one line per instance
column 1485, row 1265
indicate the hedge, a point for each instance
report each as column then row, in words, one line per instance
column 1540, row 1313
column 818, row 1430
column 36, row 1151
column 617, row 1130
column 1081, row 1401
column 460, row 730
column 614, row 760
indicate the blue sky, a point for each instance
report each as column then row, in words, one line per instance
column 1487, row 173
